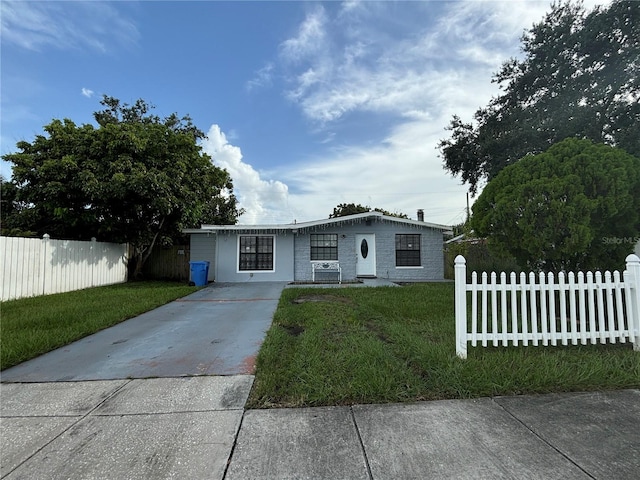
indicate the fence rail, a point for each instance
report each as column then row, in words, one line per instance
column 33, row 266
column 547, row 309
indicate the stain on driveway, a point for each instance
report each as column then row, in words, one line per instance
column 215, row 331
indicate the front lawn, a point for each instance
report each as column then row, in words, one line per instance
column 33, row 326
column 374, row 345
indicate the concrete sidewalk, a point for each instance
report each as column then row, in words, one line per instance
column 196, row 427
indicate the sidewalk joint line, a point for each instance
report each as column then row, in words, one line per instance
column 233, row 446
column 79, row 419
column 542, row 439
column 364, row 453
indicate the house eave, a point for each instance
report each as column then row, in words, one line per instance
column 315, row 224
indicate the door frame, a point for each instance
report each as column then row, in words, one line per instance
column 366, row 268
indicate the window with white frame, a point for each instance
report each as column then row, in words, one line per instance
column 324, row 246
column 408, row 250
column 255, row 252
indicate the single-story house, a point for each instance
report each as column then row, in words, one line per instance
column 355, row 246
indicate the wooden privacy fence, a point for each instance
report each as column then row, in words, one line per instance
column 33, row 266
column 555, row 309
column 168, row 263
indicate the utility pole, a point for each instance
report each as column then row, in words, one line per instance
column 468, row 213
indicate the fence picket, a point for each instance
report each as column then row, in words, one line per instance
column 600, row 303
column 503, row 308
column 633, row 272
column 627, row 296
column 494, row 309
column 543, row 310
column 600, row 308
column 619, row 309
column 474, row 308
column 573, row 329
column 562, row 293
column 523, row 308
column 582, row 315
column 534, row 309
column 591, row 308
column 484, row 309
column 514, row 310
column 552, row 310
column 611, row 328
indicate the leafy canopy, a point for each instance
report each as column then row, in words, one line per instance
column 344, row 209
column 135, row 178
column 580, row 77
column 575, row 206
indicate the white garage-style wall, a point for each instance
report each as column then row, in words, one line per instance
column 221, row 249
column 203, row 248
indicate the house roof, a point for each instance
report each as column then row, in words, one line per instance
column 315, row 224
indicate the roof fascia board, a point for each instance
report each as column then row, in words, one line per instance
column 317, row 223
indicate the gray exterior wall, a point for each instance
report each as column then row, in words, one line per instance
column 346, row 255
column 431, row 252
column 227, row 259
column 203, row 248
column 292, row 253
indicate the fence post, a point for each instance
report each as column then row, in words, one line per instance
column 633, row 267
column 460, row 275
column 93, row 260
column 45, row 260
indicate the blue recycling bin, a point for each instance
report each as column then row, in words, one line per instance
column 199, row 273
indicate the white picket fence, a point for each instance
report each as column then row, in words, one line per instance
column 33, row 266
column 555, row 309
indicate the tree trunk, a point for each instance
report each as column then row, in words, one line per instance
column 142, row 254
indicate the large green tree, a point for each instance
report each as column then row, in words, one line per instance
column 575, row 206
column 136, row 178
column 579, row 77
column 10, row 211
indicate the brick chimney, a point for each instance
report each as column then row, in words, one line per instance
column 420, row 215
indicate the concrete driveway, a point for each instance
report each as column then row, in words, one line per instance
column 215, row 331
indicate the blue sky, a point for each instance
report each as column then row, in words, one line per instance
column 307, row 104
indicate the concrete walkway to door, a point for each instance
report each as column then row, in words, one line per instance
column 216, row 331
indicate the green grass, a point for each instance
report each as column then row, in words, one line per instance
column 377, row 345
column 32, row 326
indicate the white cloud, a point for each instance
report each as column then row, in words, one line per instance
column 91, row 25
column 262, row 78
column 386, row 72
column 414, row 71
column 411, row 65
column 310, row 37
column 401, row 172
column 264, row 201
column 359, row 61
column 87, row 93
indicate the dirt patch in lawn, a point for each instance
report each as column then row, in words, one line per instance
column 377, row 331
column 293, row 330
column 322, row 298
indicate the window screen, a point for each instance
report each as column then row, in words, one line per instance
column 407, row 250
column 324, row 246
column 256, row 253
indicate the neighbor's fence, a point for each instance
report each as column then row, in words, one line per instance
column 33, row 266
column 168, row 263
column 567, row 309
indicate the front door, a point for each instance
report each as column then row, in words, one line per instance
column 366, row 255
